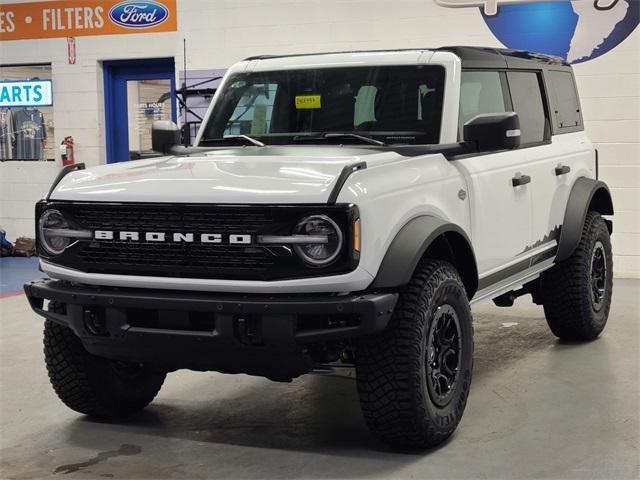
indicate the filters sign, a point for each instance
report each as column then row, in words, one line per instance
column 21, row 21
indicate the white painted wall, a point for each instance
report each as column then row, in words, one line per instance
column 22, row 184
column 222, row 32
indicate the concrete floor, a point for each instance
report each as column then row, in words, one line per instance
column 14, row 272
column 538, row 409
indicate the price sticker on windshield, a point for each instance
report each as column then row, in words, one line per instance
column 308, row 102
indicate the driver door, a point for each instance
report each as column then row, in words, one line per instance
column 501, row 212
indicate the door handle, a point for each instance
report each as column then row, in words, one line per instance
column 562, row 169
column 520, row 180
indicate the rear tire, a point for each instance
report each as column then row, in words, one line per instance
column 93, row 385
column 414, row 377
column 576, row 293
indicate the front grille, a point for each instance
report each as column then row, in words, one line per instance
column 195, row 260
column 178, row 218
column 178, row 260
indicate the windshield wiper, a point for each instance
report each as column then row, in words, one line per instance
column 257, row 143
column 370, row 140
column 328, row 136
column 246, row 138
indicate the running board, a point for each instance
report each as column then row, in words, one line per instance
column 513, row 282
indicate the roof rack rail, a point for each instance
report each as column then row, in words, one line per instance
column 471, row 56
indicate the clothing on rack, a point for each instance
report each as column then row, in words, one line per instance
column 30, row 134
column 6, row 135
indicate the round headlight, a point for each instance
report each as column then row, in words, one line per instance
column 50, row 223
column 327, row 240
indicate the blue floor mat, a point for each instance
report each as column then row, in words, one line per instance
column 15, row 271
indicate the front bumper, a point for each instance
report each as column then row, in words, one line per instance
column 267, row 335
column 355, row 281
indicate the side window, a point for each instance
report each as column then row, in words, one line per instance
column 480, row 92
column 567, row 105
column 526, row 96
column 253, row 112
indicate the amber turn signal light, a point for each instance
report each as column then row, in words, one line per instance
column 356, row 235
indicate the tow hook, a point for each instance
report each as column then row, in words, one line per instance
column 94, row 322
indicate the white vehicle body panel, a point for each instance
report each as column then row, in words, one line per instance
column 392, row 187
column 508, row 221
column 350, row 282
column 550, row 192
column 501, row 225
column 226, row 175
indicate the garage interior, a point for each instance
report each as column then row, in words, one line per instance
column 539, row 408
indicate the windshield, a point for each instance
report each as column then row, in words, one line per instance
column 391, row 104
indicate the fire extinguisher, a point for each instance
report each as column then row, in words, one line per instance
column 66, row 151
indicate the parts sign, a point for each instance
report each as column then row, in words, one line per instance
column 20, row 21
column 31, row 93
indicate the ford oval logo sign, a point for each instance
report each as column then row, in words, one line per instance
column 142, row 14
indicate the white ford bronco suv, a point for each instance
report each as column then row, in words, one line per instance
column 339, row 208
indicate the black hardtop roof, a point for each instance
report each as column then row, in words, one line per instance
column 481, row 57
column 472, row 57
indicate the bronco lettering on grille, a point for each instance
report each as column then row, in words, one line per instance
column 231, row 239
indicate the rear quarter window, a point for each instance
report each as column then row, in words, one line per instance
column 567, row 112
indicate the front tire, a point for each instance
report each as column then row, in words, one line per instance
column 576, row 293
column 414, row 377
column 93, row 385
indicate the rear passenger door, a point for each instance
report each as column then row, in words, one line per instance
column 567, row 155
column 549, row 164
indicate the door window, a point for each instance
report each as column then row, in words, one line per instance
column 480, row 92
column 526, row 96
column 147, row 101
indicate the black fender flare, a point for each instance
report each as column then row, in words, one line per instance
column 412, row 242
column 586, row 194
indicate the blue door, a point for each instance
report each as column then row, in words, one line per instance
column 137, row 92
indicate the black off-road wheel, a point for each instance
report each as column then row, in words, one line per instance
column 414, row 377
column 93, row 385
column 576, row 293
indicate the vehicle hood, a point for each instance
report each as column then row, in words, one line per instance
column 227, row 175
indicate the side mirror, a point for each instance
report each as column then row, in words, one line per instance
column 493, row 131
column 164, row 136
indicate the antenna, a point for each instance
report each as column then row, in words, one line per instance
column 184, row 73
column 184, row 60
